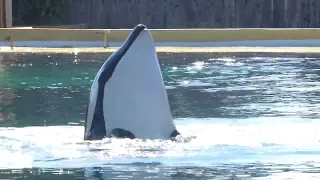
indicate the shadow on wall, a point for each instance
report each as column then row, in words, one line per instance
column 195, row 13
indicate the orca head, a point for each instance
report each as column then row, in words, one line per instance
column 128, row 98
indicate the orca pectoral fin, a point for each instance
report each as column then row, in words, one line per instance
column 174, row 133
column 121, row 133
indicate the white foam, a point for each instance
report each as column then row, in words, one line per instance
column 217, row 140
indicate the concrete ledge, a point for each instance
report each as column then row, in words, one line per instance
column 309, row 50
column 12, row 35
column 251, row 40
column 99, row 44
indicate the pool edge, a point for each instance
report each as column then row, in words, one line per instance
column 167, row 49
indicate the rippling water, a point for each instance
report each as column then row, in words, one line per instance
column 250, row 118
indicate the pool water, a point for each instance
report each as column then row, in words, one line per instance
column 251, row 118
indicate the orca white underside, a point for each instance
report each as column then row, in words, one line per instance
column 128, row 93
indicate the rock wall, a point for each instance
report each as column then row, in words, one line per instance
column 193, row 13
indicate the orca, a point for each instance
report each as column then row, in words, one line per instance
column 128, row 98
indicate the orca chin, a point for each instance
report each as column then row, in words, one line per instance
column 128, row 98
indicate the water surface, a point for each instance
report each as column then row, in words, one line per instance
column 252, row 118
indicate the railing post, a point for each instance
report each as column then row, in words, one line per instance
column 11, row 41
column 5, row 13
column 8, row 7
column 105, row 39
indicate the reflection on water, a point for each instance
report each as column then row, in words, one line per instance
column 253, row 117
column 52, row 90
column 6, row 97
column 156, row 171
column 6, row 94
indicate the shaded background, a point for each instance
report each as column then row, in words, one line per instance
column 168, row 13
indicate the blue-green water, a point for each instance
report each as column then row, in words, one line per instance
column 253, row 118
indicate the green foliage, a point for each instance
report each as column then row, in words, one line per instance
column 39, row 12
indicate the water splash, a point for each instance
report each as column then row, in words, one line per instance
column 219, row 142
